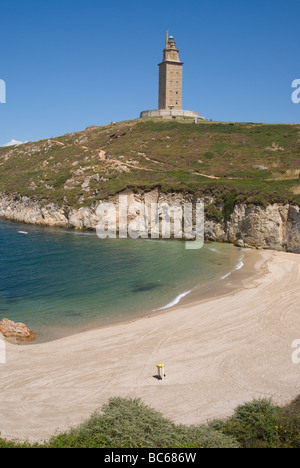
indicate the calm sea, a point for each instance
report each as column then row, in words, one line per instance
column 60, row 281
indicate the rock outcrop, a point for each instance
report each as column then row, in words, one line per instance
column 16, row 331
column 276, row 226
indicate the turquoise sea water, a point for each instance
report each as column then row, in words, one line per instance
column 59, row 281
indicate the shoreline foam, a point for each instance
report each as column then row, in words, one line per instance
column 174, row 302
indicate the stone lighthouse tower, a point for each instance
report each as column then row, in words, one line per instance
column 170, row 87
column 170, row 77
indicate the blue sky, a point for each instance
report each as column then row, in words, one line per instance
column 69, row 64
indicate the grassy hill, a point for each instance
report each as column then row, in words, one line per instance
column 257, row 163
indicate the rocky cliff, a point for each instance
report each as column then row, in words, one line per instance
column 275, row 226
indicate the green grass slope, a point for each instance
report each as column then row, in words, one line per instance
column 258, row 163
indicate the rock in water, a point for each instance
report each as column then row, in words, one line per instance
column 16, row 331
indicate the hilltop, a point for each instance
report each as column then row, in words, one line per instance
column 256, row 163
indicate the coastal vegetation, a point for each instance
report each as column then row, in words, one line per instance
column 129, row 423
column 234, row 162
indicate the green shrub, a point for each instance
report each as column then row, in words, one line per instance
column 229, row 203
column 250, row 413
column 212, row 212
column 128, row 423
column 209, row 155
column 261, row 424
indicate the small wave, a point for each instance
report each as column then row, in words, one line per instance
column 212, row 249
column 237, row 267
column 174, row 302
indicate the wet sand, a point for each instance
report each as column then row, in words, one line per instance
column 219, row 349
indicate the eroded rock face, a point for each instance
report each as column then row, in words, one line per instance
column 293, row 230
column 258, row 226
column 26, row 210
column 16, row 331
column 275, row 226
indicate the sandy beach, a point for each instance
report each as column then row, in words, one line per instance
column 218, row 352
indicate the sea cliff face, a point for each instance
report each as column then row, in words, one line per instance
column 275, row 227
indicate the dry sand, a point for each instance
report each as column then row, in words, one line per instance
column 218, row 353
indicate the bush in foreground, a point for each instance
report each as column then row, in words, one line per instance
column 260, row 424
column 128, row 423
